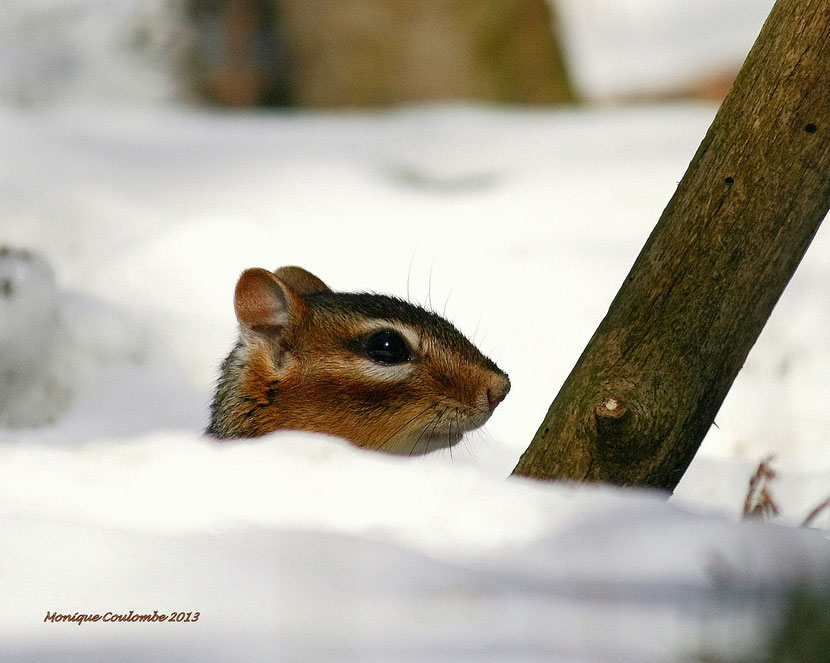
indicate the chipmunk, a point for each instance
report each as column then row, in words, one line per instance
column 378, row 371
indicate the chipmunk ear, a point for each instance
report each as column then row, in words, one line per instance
column 303, row 282
column 264, row 302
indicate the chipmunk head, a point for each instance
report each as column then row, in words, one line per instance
column 378, row 371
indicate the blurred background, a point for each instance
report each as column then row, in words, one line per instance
column 371, row 53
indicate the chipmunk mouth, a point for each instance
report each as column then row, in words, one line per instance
column 419, row 445
column 443, row 429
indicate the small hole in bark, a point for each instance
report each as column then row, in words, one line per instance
column 811, row 128
column 729, row 180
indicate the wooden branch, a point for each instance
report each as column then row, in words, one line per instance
column 648, row 385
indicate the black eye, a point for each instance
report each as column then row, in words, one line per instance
column 387, row 347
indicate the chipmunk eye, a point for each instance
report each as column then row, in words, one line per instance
column 387, row 347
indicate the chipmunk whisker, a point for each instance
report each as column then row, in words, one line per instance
column 406, row 423
column 432, row 424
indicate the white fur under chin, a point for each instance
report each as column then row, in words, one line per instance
column 418, row 445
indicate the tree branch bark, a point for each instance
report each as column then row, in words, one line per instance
column 646, row 389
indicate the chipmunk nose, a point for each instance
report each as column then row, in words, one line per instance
column 497, row 390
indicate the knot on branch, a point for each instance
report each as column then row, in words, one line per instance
column 617, row 423
column 613, row 421
column 611, row 409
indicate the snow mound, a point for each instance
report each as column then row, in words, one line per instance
column 300, row 546
column 33, row 390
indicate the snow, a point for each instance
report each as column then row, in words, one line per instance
column 520, row 225
column 298, row 546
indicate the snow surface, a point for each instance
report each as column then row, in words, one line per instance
column 520, row 225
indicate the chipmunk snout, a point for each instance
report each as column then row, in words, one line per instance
column 497, row 390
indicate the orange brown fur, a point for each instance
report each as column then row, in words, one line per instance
column 300, row 364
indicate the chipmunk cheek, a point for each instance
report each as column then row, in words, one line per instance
column 381, row 373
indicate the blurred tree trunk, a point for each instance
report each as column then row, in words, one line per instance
column 564, row 91
column 335, row 53
column 237, row 54
column 360, row 53
column 646, row 389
